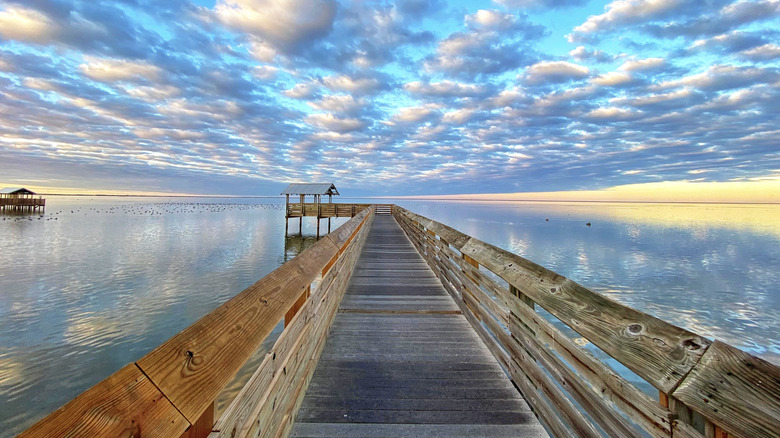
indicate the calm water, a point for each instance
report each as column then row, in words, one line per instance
column 98, row 282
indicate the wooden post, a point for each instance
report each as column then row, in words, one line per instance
column 523, row 297
column 296, row 306
column 202, row 427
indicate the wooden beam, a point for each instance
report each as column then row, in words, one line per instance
column 124, row 404
column 202, row 427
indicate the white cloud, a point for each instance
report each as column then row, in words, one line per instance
column 355, row 85
column 507, row 98
column 621, row 12
column 287, row 24
column 554, row 72
column 612, row 79
column 444, row 88
column 766, row 52
column 493, row 20
column 154, row 93
column 415, row 114
column 459, row 116
column 722, row 77
column 643, row 64
column 111, row 70
column 265, row 72
column 336, row 124
column 612, row 113
column 302, row 91
column 339, row 103
column 29, row 25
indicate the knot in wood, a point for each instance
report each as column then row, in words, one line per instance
column 691, row 344
column 634, row 329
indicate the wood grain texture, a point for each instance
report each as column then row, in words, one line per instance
column 126, row 404
column 267, row 404
column 596, row 388
column 657, row 351
column 173, row 386
column 400, row 353
column 737, row 391
column 192, row 367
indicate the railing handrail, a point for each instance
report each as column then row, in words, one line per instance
column 734, row 390
column 166, row 391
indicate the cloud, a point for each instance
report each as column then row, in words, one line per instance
column 339, row 103
column 582, row 54
column 555, row 72
column 381, row 96
column 111, row 70
column 623, row 12
column 674, row 18
column 613, row 79
column 642, row 65
column 415, row 114
column 26, row 25
column 445, row 89
column 725, row 77
column 288, row 25
column 541, row 4
column 766, row 52
column 354, row 84
column 336, row 124
column 495, row 43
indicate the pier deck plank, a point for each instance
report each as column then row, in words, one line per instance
column 401, row 361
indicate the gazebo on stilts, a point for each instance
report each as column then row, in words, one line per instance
column 316, row 208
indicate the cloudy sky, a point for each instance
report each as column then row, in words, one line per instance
column 387, row 98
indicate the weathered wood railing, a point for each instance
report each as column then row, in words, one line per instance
column 170, row 392
column 705, row 388
column 324, row 210
column 19, row 203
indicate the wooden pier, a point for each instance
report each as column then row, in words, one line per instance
column 401, row 360
column 316, row 209
column 429, row 332
column 18, row 200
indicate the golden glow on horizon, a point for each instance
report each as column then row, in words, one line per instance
column 758, row 191
column 750, row 192
column 754, row 218
column 48, row 190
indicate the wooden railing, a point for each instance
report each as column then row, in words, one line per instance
column 12, row 202
column 705, row 388
column 324, row 210
column 170, row 392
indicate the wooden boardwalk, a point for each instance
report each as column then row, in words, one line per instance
column 401, row 360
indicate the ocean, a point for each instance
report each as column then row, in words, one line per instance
column 97, row 282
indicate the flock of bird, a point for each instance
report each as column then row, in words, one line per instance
column 146, row 209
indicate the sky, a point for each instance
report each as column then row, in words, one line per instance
column 412, row 97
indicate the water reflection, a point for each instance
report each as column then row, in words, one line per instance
column 294, row 245
column 99, row 282
column 709, row 268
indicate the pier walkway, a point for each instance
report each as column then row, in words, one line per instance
column 401, row 360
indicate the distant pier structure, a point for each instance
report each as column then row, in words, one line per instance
column 20, row 200
column 316, row 208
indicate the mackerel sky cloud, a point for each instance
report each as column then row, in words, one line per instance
column 387, row 98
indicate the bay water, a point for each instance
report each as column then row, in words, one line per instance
column 97, row 282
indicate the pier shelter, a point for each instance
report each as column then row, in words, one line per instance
column 316, row 208
column 20, row 200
